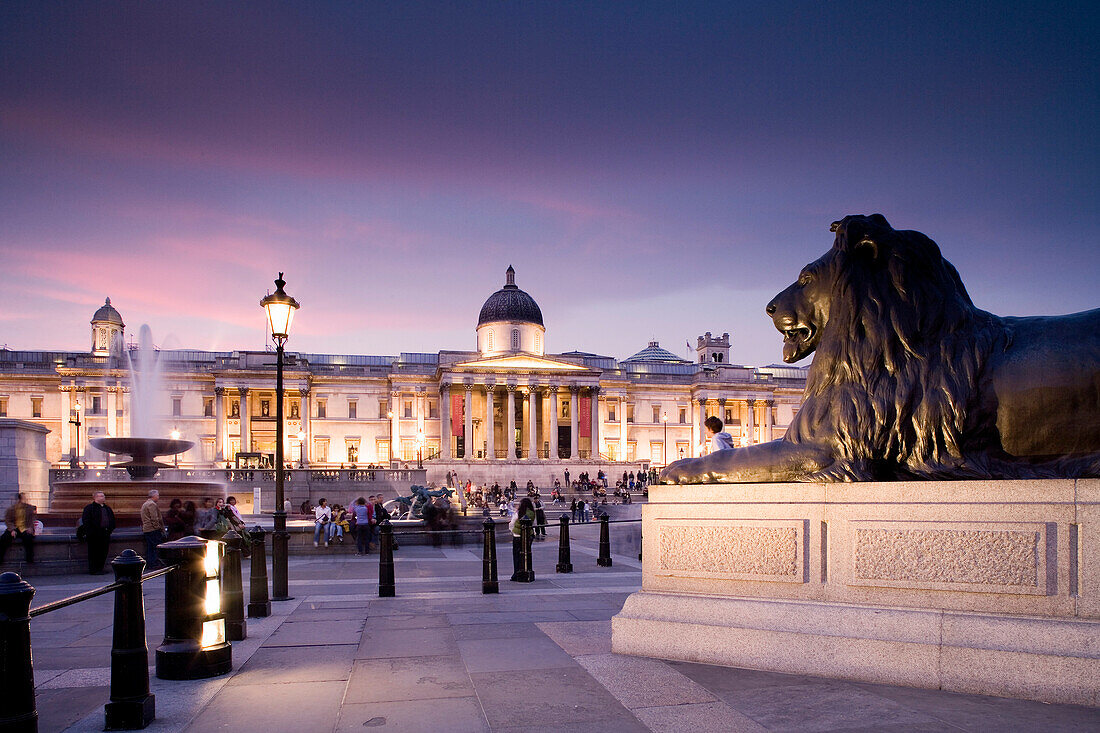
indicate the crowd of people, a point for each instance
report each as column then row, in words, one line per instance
column 360, row 520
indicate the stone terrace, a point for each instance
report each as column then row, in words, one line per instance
column 441, row 656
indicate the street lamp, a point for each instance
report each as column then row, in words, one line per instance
column 176, row 458
column 280, row 309
column 74, row 419
column 664, row 449
column 420, row 448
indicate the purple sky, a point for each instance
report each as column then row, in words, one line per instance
column 652, row 171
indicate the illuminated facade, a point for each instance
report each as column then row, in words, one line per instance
column 507, row 402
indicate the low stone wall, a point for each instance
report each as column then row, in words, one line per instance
column 988, row 587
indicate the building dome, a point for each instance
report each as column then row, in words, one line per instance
column 654, row 352
column 510, row 304
column 108, row 314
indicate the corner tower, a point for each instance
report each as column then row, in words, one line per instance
column 510, row 321
column 107, row 331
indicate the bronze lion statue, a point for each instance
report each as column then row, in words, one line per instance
column 911, row 381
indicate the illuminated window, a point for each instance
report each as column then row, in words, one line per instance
column 36, row 407
column 320, row 450
column 383, row 449
column 657, row 452
column 515, row 339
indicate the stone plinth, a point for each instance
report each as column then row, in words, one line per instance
column 988, row 587
column 23, row 464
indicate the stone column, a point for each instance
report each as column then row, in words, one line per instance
column 468, row 428
column 751, row 425
column 490, row 429
column 622, row 427
column 307, row 429
column 395, row 425
column 445, row 420
column 112, row 411
column 510, row 422
column 532, row 424
column 553, row 392
column 574, row 433
column 698, row 415
column 219, row 424
column 246, row 421
column 595, row 394
column 768, row 405
column 66, row 427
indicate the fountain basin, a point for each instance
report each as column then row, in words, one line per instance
column 143, row 453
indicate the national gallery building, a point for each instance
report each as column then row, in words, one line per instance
column 508, row 403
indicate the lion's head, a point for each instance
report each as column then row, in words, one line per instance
column 899, row 346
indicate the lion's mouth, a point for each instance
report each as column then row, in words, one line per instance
column 797, row 341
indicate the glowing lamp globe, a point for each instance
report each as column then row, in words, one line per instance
column 280, row 309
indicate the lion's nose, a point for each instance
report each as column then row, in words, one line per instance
column 770, row 309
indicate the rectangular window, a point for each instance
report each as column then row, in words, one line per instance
column 630, row 414
column 353, row 451
column 177, row 406
column 320, row 450
column 683, row 416
column 612, row 450
column 208, row 407
column 3, row 406
column 408, row 408
column 631, row 450
column 612, row 415
column 408, row 450
column 208, row 450
column 36, row 407
column 657, row 453
column 353, row 411
column 383, row 449
column 97, row 404
column 656, row 414
column 321, row 408
column 683, row 450
column 383, row 409
column 433, row 409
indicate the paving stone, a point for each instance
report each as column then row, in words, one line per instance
column 408, row 678
column 316, row 633
column 59, row 709
column 454, row 715
column 294, row 706
column 328, row 614
column 503, row 617
column 378, row 644
column 707, row 717
column 580, row 637
column 277, row 665
column 406, row 621
column 594, row 614
column 641, row 682
column 515, row 630
column 501, row 655
column 577, row 698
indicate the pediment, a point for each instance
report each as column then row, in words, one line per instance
column 519, row 363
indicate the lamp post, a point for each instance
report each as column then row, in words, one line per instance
column 664, row 449
column 389, row 421
column 74, row 419
column 420, row 448
column 175, row 458
column 280, row 309
column 301, row 449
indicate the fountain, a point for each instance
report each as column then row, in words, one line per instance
column 143, row 446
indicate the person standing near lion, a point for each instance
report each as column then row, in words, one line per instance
column 911, row 381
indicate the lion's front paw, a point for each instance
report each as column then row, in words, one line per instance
column 674, row 473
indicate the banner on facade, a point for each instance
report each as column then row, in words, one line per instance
column 585, row 417
column 458, row 415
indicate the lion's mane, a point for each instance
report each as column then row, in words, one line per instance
column 894, row 383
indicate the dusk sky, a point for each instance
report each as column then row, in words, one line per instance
column 652, row 171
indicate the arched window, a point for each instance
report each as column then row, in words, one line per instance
column 515, row 339
column 491, row 340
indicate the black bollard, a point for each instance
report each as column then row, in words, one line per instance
column 526, row 533
column 604, row 560
column 639, row 543
column 18, row 714
column 386, row 586
column 132, row 707
column 194, row 645
column 565, row 564
column 236, row 628
column 259, row 604
column 489, row 558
